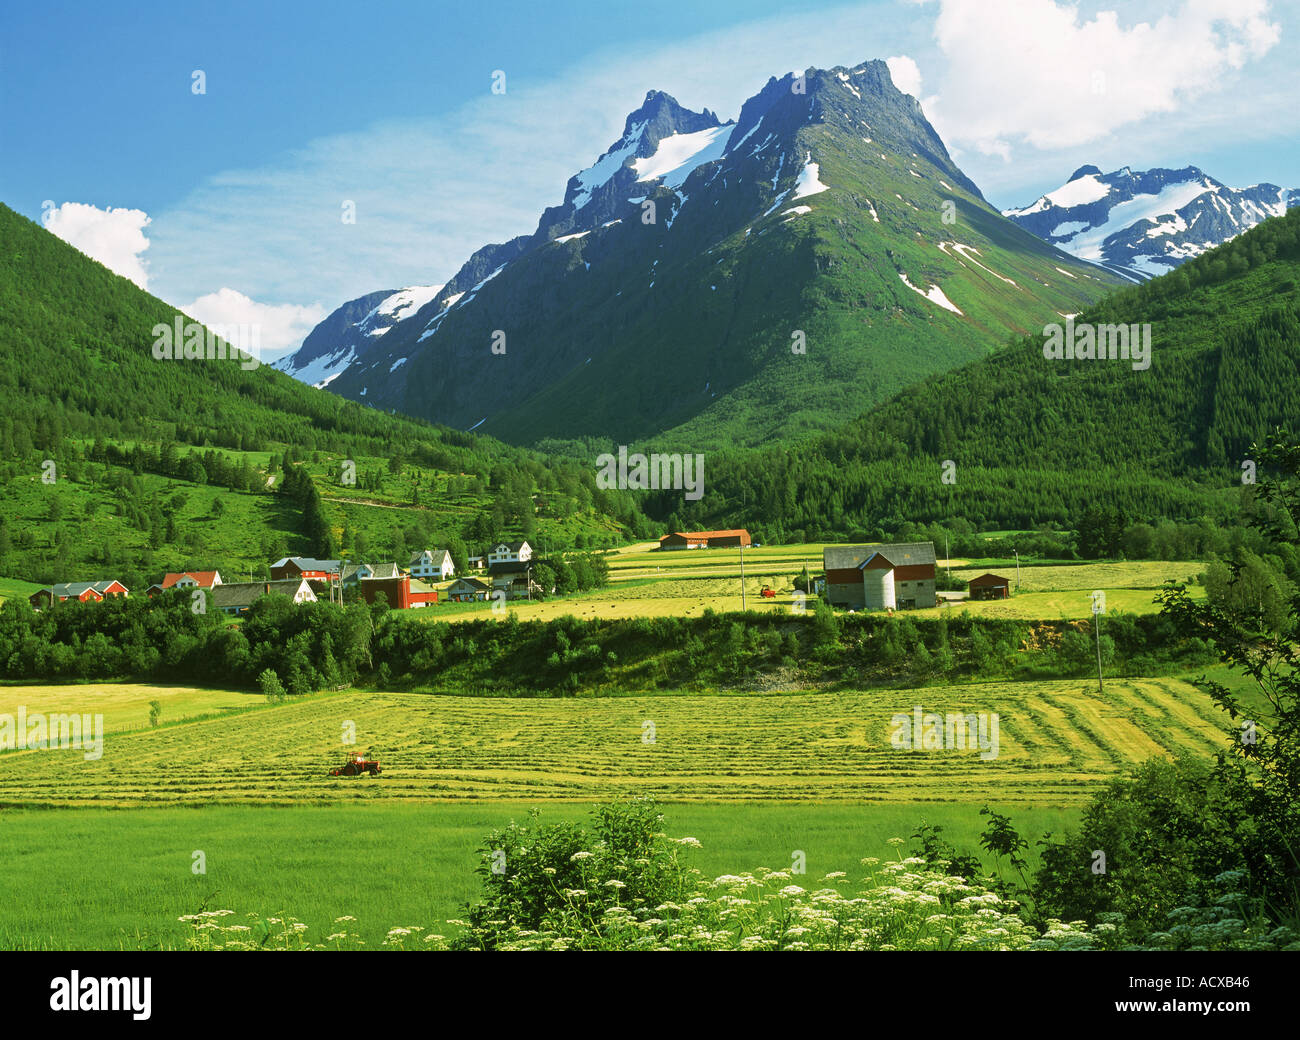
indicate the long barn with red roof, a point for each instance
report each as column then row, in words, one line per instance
column 705, row 539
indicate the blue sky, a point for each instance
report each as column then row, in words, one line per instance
column 228, row 203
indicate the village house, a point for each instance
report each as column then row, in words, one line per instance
column 83, row 591
column 354, row 572
column 990, row 586
column 705, row 539
column 476, row 563
column 515, row 580
column 509, row 552
column 235, row 598
column 432, row 565
column 468, row 590
column 304, row 567
column 899, row 575
column 185, row 580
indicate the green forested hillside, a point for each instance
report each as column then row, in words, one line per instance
column 1033, row 440
column 113, row 463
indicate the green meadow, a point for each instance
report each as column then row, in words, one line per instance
column 119, row 879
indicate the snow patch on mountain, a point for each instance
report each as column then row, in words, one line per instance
column 402, row 304
column 678, row 155
column 324, row 370
column 963, row 252
column 1088, row 244
column 807, row 183
column 934, row 295
column 608, row 164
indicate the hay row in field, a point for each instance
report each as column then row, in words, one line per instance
column 1056, row 742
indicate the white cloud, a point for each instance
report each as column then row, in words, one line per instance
column 1037, row 72
column 280, row 328
column 114, row 237
column 905, row 74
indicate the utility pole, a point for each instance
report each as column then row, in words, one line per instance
column 742, row 575
column 1017, row 552
column 1096, row 623
column 947, row 558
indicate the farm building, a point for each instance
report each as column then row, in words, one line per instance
column 422, row 595
column 477, row 563
column 304, row 567
column 467, row 590
column 354, row 572
column 899, row 575
column 83, row 591
column 509, row 552
column 236, row 597
column 432, row 565
column 515, row 580
column 396, row 591
column 990, row 586
column 704, row 539
column 185, row 580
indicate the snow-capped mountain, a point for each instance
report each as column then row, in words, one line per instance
column 663, row 292
column 1142, row 223
column 346, row 336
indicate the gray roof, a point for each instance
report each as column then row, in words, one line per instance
column 243, row 593
column 78, row 588
column 473, row 583
column 900, row 554
column 377, row 570
column 306, row 563
column 437, row 554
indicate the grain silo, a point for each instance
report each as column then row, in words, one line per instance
column 878, row 583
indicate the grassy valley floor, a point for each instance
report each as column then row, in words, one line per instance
column 107, row 879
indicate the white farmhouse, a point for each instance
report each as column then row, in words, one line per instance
column 510, row 552
column 432, row 565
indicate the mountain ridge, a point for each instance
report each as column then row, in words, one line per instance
column 681, row 263
column 1146, row 222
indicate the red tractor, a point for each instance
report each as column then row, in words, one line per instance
column 768, row 593
column 356, row 764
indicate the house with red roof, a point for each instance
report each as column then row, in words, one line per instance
column 705, row 539
column 185, row 580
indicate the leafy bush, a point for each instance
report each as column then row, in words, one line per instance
column 566, row 878
column 271, row 685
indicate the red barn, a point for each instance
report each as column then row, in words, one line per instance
column 304, row 567
column 397, row 591
column 898, row 575
column 990, row 586
column 705, row 539
column 422, row 595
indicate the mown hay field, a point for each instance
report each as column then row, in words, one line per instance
column 1110, row 574
column 684, row 590
column 1058, row 741
column 125, row 706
